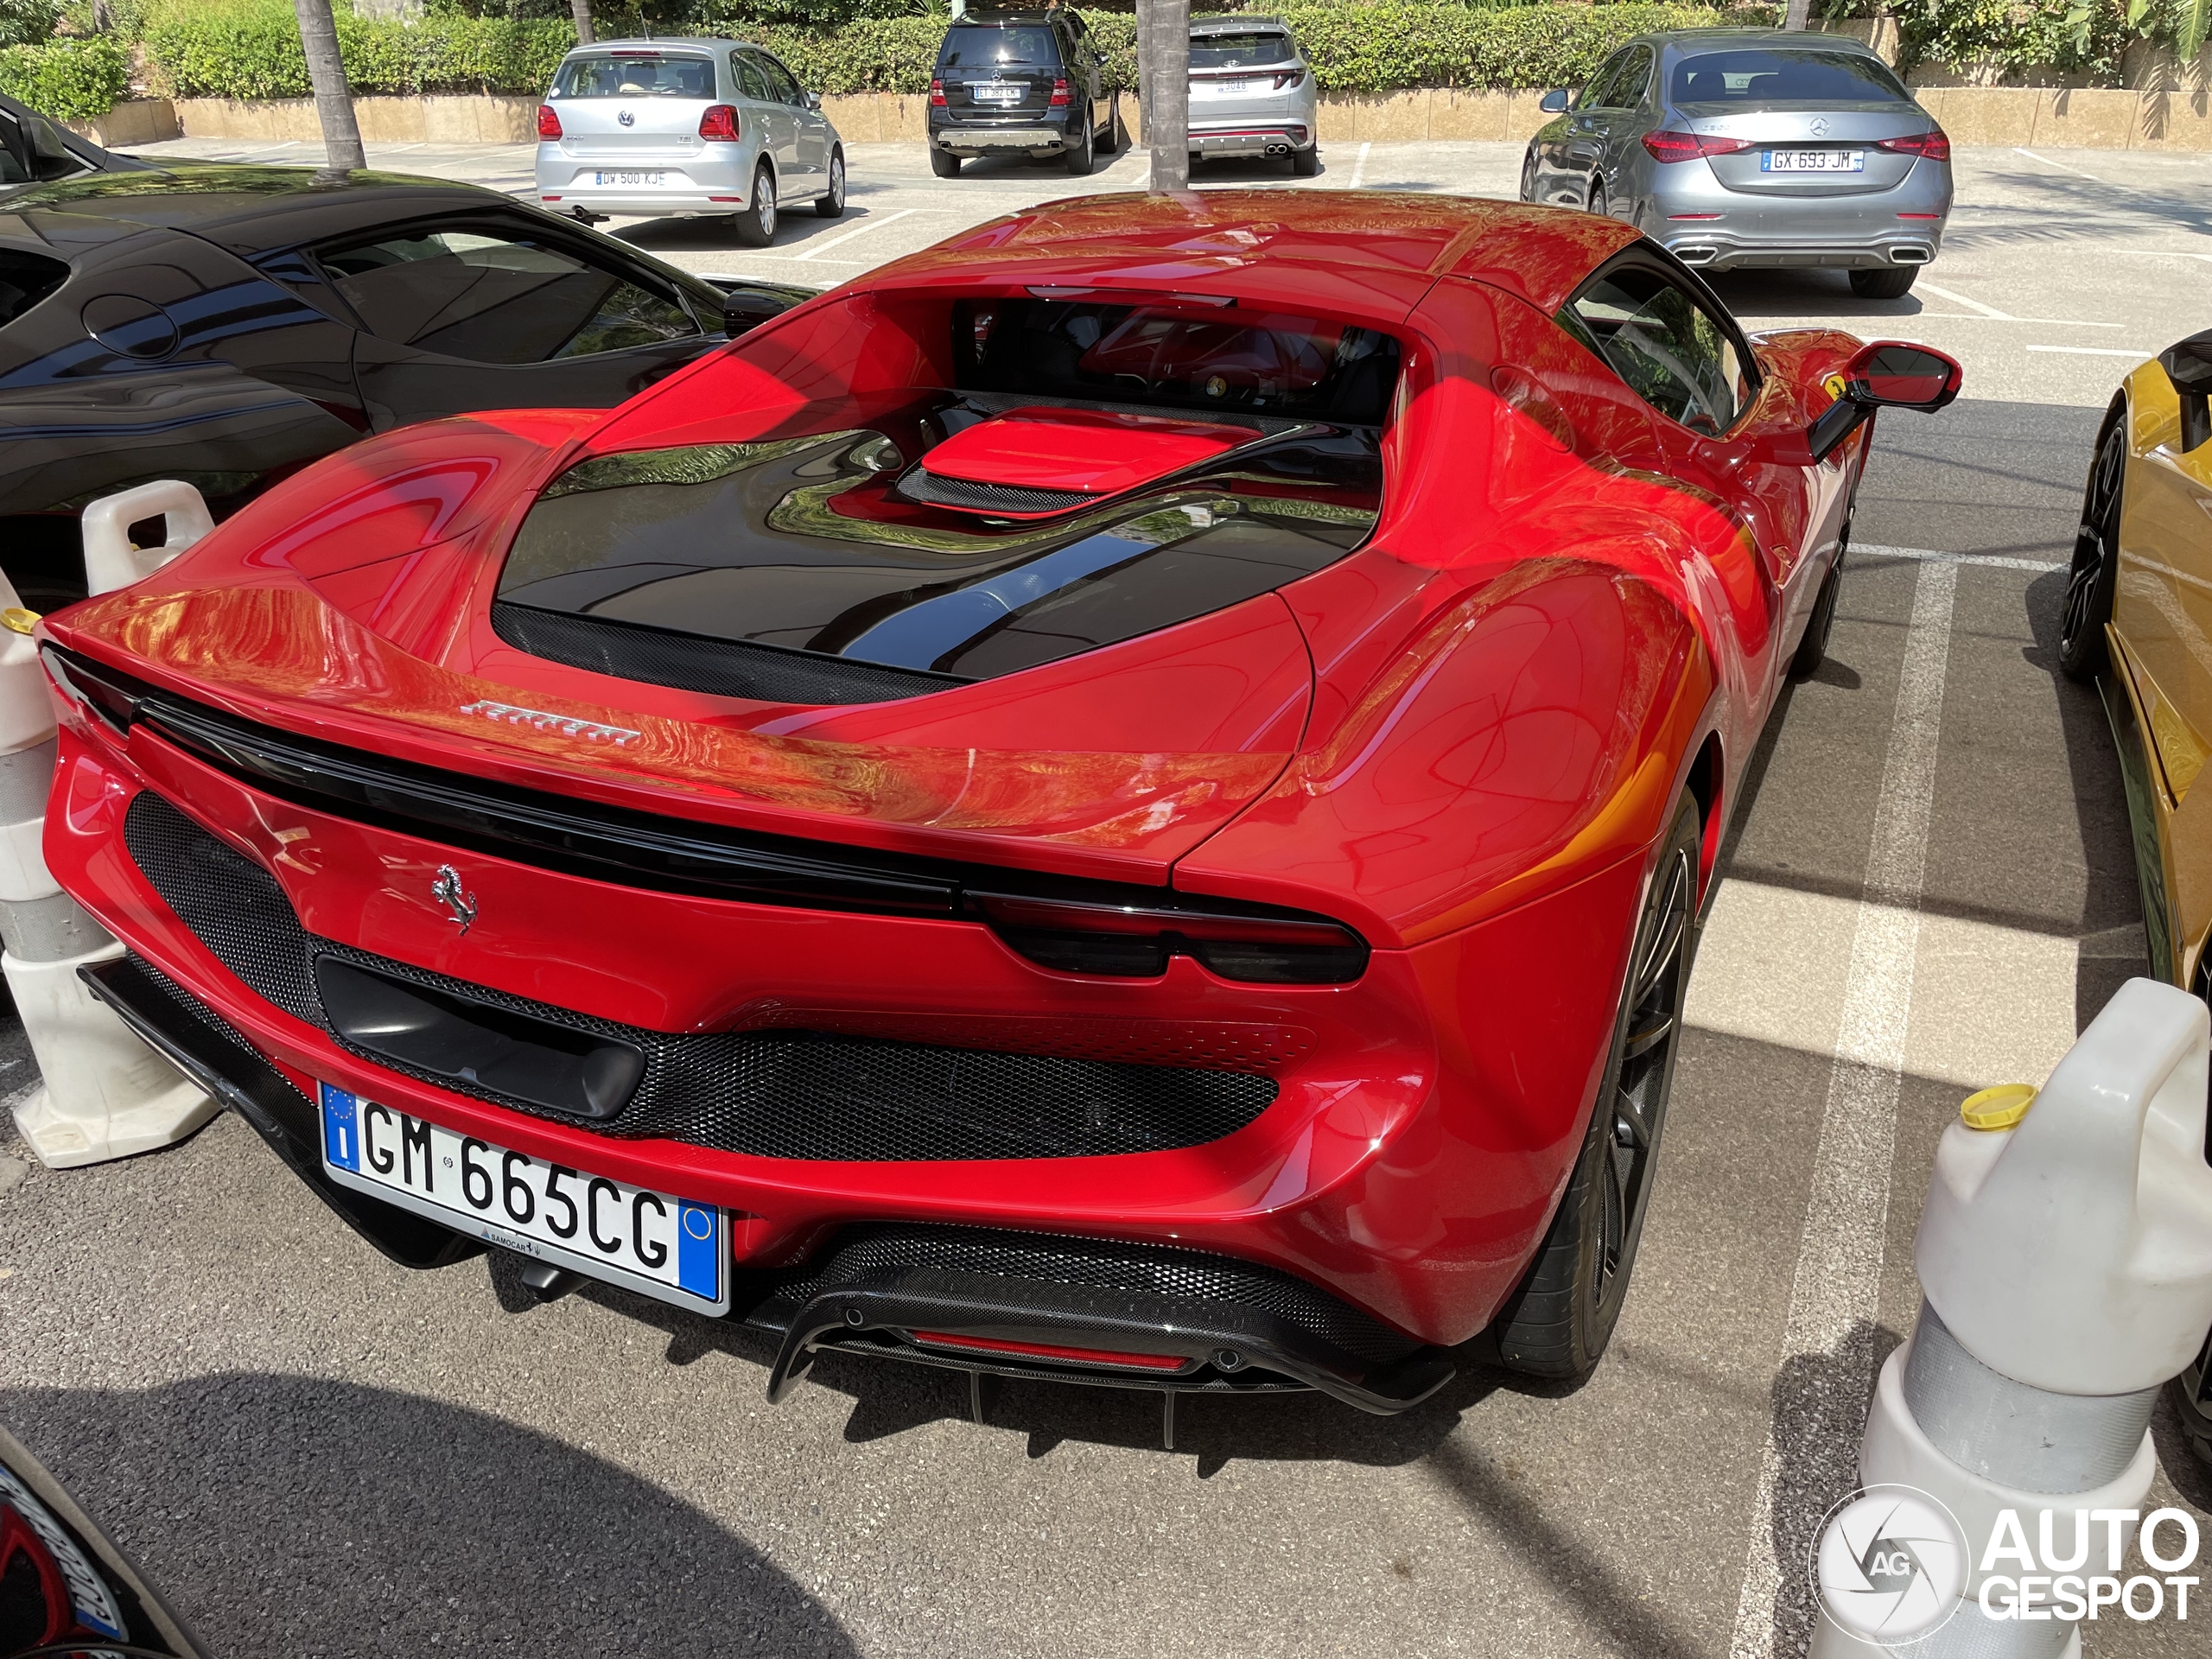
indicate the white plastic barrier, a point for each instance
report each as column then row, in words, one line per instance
column 111, row 561
column 2066, row 1255
column 103, row 1093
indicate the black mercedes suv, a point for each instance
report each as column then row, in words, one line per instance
column 1027, row 83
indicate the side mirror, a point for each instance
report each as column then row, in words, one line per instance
column 813, row 100
column 746, row 310
column 1556, row 101
column 1888, row 374
column 2189, row 365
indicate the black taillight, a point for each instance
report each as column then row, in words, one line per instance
column 115, row 706
column 1084, row 935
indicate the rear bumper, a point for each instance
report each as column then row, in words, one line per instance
column 1410, row 1159
column 1251, row 138
column 715, row 179
column 1038, row 138
column 1706, row 224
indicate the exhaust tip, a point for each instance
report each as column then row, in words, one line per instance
column 1697, row 255
column 1910, row 256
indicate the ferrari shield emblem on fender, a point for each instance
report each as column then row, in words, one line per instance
column 447, row 890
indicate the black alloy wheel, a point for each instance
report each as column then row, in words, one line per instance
column 756, row 225
column 832, row 205
column 1558, row 1323
column 2094, row 574
column 1079, row 159
column 1599, row 204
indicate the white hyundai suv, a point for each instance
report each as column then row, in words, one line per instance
column 679, row 128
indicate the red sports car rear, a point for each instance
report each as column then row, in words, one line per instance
column 1124, row 800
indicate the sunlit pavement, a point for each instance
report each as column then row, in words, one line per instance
column 1928, row 888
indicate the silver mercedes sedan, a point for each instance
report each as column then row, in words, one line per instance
column 1753, row 148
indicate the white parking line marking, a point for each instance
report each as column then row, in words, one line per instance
column 1838, row 1275
column 1359, row 168
column 861, row 229
column 2095, row 351
column 1993, row 560
column 2062, row 166
column 1971, row 305
column 2158, row 253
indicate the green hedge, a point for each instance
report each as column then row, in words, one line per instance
column 253, row 51
column 1353, row 48
column 70, row 80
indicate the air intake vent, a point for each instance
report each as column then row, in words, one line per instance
column 929, row 488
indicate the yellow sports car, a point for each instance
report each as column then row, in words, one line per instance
column 2138, row 603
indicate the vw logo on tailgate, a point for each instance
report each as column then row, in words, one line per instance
column 625, row 117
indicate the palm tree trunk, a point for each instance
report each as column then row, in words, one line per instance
column 1164, row 76
column 334, row 99
column 581, row 8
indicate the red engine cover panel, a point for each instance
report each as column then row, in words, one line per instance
column 1080, row 449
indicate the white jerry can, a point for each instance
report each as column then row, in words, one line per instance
column 2065, row 1254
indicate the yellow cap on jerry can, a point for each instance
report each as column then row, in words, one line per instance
column 2000, row 1107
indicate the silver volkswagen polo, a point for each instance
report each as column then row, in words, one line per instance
column 1754, row 148
column 686, row 127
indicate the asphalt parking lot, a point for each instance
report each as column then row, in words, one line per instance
column 1928, row 888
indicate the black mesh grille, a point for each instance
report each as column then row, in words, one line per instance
column 877, row 1256
column 690, row 662
column 773, row 1094
column 919, row 486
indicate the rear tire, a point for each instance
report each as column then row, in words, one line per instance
column 1891, row 283
column 1557, row 1324
column 2094, row 574
column 2192, row 1398
column 1079, row 160
column 1528, row 176
column 832, row 205
column 756, row 225
column 1812, row 649
column 1306, row 163
column 1598, row 204
column 944, row 166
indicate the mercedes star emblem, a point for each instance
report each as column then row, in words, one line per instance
column 1819, row 126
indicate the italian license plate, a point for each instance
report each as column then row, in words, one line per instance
column 991, row 94
column 649, row 179
column 665, row 1247
column 1813, row 161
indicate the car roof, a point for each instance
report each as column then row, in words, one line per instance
column 1708, row 40
column 994, row 19
column 1374, row 255
column 1242, row 23
column 699, row 42
column 248, row 210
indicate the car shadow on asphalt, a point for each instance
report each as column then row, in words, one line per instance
column 295, row 1515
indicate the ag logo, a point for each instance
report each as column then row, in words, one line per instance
column 1890, row 1564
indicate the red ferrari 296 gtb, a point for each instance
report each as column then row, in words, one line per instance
column 1125, row 799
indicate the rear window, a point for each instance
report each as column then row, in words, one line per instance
column 1765, row 75
column 636, row 75
column 987, row 49
column 1240, row 51
column 1262, row 362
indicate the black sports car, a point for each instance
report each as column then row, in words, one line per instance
column 228, row 325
